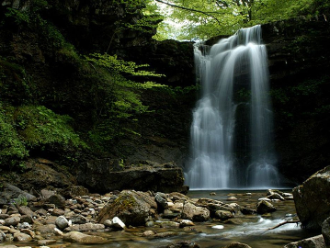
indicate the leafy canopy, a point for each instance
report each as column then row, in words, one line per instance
column 202, row 19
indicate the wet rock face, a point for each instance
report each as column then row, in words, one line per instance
column 295, row 45
column 311, row 199
column 105, row 176
column 42, row 173
column 91, row 24
column 172, row 58
column 298, row 54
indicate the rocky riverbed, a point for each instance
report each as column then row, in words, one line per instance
column 147, row 219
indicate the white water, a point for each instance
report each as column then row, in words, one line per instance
column 239, row 60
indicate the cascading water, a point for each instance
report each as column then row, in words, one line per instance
column 238, row 61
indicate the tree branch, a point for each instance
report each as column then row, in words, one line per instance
column 283, row 223
column 192, row 10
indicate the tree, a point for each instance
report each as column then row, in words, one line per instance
column 203, row 19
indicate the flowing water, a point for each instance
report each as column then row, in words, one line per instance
column 249, row 229
column 238, row 63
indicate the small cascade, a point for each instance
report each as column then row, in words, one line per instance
column 239, row 61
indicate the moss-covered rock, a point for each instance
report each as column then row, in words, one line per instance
column 132, row 207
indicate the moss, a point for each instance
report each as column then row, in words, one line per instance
column 11, row 144
column 27, row 128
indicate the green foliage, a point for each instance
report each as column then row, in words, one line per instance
column 15, row 86
column 147, row 24
column 20, row 201
column 118, row 100
column 40, row 126
column 26, row 128
column 113, row 64
column 31, row 19
column 131, row 6
column 17, row 16
column 11, row 144
column 203, row 19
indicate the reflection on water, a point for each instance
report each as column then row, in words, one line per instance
column 249, row 229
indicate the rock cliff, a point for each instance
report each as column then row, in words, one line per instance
column 298, row 61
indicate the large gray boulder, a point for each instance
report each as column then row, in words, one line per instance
column 107, row 175
column 311, row 199
column 132, row 207
column 10, row 192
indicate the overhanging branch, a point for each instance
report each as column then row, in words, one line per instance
column 207, row 13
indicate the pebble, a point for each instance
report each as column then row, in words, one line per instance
column 231, row 198
column 218, row 227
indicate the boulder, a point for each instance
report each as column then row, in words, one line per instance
column 276, row 196
column 10, row 192
column 177, row 207
column 195, row 213
column 12, row 221
column 132, row 207
column 237, row 245
column 22, row 237
column 90, row 227
column 42, row 173
column 45, row 229
column 45, row 193
column 58, row 200
column 87, row 227
column 116, row 223
column 313, row 242
column 223, row 214
column 215, row 205
column 326, row 231
column 161, row 200
column 264, row 207
column 184, row 223
column 25, row 210
column 2, row 236
column 78, row 219
column 182, row 244
column 106, row 175
column 82, row 238
column 311, row 199
column 61, row 222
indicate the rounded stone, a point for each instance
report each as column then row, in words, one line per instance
column 61, row 222
column 12, row 221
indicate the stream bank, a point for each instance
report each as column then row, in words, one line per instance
column 204, row 218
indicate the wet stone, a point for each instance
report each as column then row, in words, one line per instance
column 78, row 219
column 46, row 242
column 12, row 221
column 22, row 237
column 61, row 222
column 26, row 218
column 4, row 216
column 45, row 229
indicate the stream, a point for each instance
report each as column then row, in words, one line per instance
column 249, row 229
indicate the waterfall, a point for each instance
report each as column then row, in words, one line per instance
column 238, row 62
